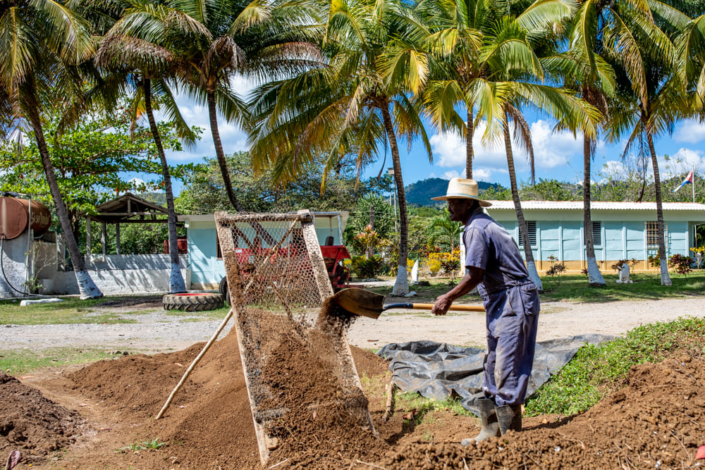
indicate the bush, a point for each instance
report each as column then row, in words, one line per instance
column 680, row 263
column 366, row 268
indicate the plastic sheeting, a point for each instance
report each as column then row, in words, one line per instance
column 439, row 370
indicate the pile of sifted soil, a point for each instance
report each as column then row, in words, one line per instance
column 209, row 424
column 31, row 423
column 655, row 421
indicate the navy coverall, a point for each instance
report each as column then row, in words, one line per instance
column 512, row 304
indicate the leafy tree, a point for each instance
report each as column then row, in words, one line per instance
column 43, row 45
column 89, row 159
column 442, row 228
column 548, row 190
column 360, row 217
column 204, row 191
column 359, row 101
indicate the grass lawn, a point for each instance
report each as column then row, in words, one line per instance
column 646, row 286
column 21, row 361
column 71, row 310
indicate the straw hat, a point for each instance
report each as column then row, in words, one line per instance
column 460, row 188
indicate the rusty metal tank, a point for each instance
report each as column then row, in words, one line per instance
column 14, row 217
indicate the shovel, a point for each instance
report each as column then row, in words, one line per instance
column 368, row 304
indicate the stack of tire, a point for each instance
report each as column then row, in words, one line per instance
column 199, row 302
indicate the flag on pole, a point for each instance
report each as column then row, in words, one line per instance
column 688, row 180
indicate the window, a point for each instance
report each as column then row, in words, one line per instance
column 652, row 234
column 531, row 225
column 597, row 233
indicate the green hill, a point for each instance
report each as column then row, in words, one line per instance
column 421, row 192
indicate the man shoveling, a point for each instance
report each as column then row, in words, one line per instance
column 493, row 264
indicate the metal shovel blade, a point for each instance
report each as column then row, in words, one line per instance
column 360, row 302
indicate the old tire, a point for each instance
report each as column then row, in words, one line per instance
column 223, row 289
column 192, row 302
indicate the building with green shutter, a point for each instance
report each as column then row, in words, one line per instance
column 621, row 230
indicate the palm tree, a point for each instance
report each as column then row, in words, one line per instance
column 442, row 227
column 144, row 67
column 455, row 33
column 354, row 104
column 649, row 98
column 255, row 40
column 508, row 72
column 42, row 46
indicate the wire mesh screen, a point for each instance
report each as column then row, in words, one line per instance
column 292, row 345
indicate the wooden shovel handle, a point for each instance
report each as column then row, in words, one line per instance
column 460, row 308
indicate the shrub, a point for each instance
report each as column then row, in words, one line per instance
column 366, row 268
column 680, row 263
column 655, row 260
column 631, row 263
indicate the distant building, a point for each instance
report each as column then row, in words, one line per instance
column 205, row 261
column 621, row 230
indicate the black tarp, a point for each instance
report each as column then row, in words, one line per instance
column 439, row 370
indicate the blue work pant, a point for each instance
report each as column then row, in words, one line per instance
column 512, row 320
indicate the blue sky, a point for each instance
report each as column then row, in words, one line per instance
column 558, row 155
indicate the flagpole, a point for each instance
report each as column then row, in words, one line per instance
column 693, row 183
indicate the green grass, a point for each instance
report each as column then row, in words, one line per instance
column 22, row 361
column 646, row 286
column 71, row 310
column 598, row 370
column 412, row 400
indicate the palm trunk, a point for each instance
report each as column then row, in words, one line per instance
column 469, row 151
column 523, row 229
column 663, row 255
column 86, row 286
column 213, row 114
column 595, row 278
column 401, row 286
column 223, row 164
column 176, row 280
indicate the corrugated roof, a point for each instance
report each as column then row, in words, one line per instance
column 598, row 206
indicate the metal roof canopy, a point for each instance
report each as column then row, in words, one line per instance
column 130, row 209
column 597, row 205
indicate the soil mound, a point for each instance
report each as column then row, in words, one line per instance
column 31, row 423
column 209, row 424
column 655, row 421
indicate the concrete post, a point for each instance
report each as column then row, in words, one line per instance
column 104, row 237
column 117, row 238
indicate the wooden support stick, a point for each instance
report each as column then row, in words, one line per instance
column 195, row 362
column 389, row 407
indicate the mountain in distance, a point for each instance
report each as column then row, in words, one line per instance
column 421, row 192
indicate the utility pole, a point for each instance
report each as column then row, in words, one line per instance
column 371, row 249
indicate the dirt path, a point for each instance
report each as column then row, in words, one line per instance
column 160, row 332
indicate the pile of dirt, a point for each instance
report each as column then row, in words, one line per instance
column 31, row 423
column 209, row 424
column 655, row 421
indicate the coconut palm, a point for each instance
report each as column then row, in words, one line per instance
column 649, row 96
column 42, row 44
column 355, row 104
column 455, row 33
column 509, row 72
column 442, row 228
column 255, row 40
column 143, row 67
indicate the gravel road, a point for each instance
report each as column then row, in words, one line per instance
column 160, row 332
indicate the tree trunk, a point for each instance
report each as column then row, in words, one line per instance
column 86, row 286
column 469, row 152
column 176, row 280
column 401, row 286
column 523, row 229
column 595, row 278
column 213, row 114
column 663, row 255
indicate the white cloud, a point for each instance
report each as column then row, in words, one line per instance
column 690, row 131
column 681, row 162
column 481, row 174
column 453, row 174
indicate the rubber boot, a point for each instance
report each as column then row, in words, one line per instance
column 488, row 417
column 509, row 417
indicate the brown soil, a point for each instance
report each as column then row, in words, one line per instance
column 31, row 423
column 655, row 421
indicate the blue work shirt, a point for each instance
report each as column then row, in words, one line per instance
column 489, row 246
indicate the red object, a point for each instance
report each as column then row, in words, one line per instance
column 701, row 453
column 181, row 242
column 338, row 273
column 14, row 217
